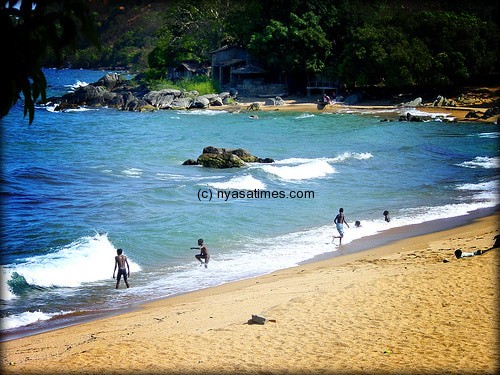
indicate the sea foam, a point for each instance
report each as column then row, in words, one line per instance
column 302, row 171
column 26, row 318
column 85, row 260
column 482, row 162
column 245, row 182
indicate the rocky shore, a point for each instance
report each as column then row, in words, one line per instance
column 112, row 91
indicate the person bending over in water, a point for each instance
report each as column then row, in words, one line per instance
column 339, row 222
column 203, row 255
column 121, row 263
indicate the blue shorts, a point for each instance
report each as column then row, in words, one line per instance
column 340, row 228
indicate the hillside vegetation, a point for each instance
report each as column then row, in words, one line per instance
column 381, row 43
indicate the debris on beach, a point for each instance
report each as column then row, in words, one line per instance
column 257, row 319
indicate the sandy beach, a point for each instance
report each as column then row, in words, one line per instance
column 310, row 105
column 406, row 307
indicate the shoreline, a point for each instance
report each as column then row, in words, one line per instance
column 360, row 245
column 406, row 232
column 303, row 105
column 216, row 317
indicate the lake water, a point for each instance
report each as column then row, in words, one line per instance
column 79, row 184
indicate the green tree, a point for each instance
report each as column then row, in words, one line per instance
column 29, row 30
column 459, row 45
column 189, row 33
column 295, row 50
column 439, row 48
column 377, row 55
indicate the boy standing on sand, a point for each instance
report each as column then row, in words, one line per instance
column 339, row 222
column 120, row 263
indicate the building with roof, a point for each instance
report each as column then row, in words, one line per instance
column 189, row 70
column 225, row 60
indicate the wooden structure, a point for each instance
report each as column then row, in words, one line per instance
column 189, row 70
column 248, row 74
column 322, row 86
column 225, row 60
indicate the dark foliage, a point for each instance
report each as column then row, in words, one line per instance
column 30, row 30
column 384, row 43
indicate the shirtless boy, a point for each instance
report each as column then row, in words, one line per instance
column 203, row 252
column 339, row 223
column 121, row 263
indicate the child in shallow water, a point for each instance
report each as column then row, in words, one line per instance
column 203, row 255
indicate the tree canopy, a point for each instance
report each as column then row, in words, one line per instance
column 390, row 43
column 30, row 31
column 387, row 43
column 295, row 49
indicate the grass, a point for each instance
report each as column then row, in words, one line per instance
column 202, row 84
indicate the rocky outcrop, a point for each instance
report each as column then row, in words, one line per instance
column 412, row 118
column 217, row 157
column 412, row 103
column 114, row 92
column 162, row 99
column 278, row 100
column 490, row 112
column 441, row 101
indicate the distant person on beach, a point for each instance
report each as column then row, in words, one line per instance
column 339, row 223
column 386, row 216
column 462, row 254
column 357, row 223
column 203, row 255
column 326, row 99
column 121, row 263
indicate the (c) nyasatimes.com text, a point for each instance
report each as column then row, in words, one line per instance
column 207, row 194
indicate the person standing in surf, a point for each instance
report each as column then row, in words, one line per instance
column 121, row 263
column 203, row 255
column 386, row 216
column 339, row 222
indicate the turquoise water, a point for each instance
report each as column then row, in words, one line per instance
column 79, row 184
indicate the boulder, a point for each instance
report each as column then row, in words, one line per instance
column 190, row 162
column 274, row 101
column 255, row 106
column 490, row 112
column 109, row 81
column 224, row 160
column 181, row 103
column 279, row 101
column 161, row 99
column 472, row 114
column 412, row 103
column 244, row 155
column 412, row 118
column 218, row 157
column 201, row 102
column 441, row 101
column 217, row 101
column 86, row 95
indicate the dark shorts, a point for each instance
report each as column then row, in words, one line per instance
column 122, row 271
